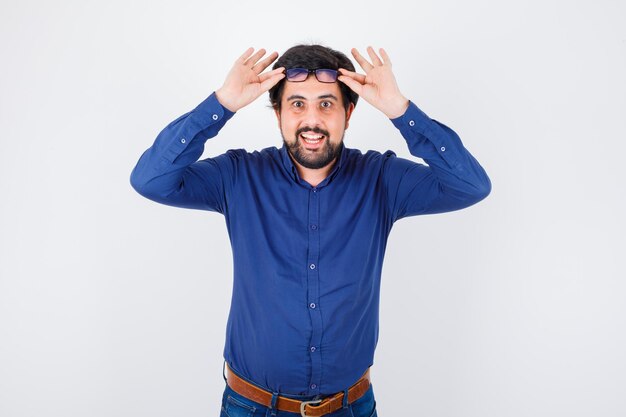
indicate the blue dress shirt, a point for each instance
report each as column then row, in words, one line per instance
column 307, row 260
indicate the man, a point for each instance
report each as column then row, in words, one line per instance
column 308, row 222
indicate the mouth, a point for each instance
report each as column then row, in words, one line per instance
column 313, row 140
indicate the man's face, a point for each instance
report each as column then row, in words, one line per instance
column 312, row 121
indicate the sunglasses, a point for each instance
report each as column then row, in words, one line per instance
column 301, row 74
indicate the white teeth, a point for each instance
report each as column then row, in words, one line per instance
column 311, row 138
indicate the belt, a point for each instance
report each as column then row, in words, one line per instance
column 305, row 408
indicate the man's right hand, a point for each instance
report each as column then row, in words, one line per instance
column 245, row 83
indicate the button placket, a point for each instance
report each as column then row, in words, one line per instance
column 313, row 289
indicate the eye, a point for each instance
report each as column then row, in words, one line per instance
column 326, row 104
column 297, row 104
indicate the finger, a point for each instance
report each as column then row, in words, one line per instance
column 245, row 55
column 353, row 84
column 260, row 66
column 359, row 77
column 385, row 57
column 375, row 59
column 271, row 73
column 271, row 82
column 254, row 58
column 362, row 61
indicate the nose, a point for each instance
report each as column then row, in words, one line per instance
column 312, row 116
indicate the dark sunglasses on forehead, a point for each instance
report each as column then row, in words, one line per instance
column 323, row 75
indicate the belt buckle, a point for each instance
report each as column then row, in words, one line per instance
column 304, row 403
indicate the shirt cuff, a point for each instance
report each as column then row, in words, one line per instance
column 418, row 129
column 207, row 119
column 413, row 117
column 212, row 110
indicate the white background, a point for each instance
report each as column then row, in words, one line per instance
column 112, row 305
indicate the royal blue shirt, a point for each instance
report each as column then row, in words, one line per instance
column 307, row 260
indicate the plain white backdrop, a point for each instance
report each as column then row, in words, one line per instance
column 112, row 305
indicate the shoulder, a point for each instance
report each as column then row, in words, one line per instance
column 242, row 160
column 246, row 156
column 369, row 159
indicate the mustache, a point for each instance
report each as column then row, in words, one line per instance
column 312, row 129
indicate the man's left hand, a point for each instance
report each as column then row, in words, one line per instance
column 378, row 86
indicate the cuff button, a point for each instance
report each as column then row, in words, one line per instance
column 411, row 123
column 215, row 117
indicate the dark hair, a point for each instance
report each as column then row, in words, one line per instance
column 313, row 57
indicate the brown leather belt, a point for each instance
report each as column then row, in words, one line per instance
column 305, row 408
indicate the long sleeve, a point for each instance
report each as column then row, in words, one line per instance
column 169, row 171
column 452, row 180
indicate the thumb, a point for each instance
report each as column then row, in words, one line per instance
column 353, row 84
column 271, row 82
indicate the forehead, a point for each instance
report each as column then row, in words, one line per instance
column 311, row 89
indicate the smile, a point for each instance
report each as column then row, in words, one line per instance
column 312, row 138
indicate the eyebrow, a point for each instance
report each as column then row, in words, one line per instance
column 323, row 96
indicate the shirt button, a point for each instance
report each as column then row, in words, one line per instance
column 183, row 140
column 313, row 226
column 215, row 117
column 443, row 149
column 312, row 266
column 313, row 386
column 312, row 348
column 312, row 305
column 411, row 123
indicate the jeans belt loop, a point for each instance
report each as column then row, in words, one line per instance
column 273, row 403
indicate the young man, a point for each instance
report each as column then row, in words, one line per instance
column 308, row 222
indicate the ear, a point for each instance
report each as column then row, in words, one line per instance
column 349, row 113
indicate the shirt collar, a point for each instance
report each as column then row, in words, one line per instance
column 293, row 171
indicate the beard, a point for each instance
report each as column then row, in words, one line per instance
column 319, row 158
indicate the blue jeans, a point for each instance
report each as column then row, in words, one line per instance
column 236, row 405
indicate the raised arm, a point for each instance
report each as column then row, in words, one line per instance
column 169, row 171
column 453, row 178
